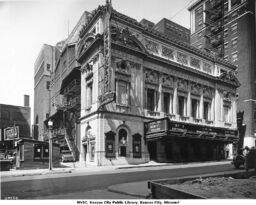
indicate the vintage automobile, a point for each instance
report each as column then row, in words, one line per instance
column 247, row 162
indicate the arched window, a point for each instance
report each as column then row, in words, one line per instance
column 122, row 136
column 136, row 146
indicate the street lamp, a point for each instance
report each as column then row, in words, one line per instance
column 50, row 124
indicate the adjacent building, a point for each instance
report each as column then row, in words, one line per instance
column 15, row 123
column 145, row 96
column 43, row 68
column 226, row 28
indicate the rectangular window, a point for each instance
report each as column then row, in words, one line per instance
column 122, row 93
column 227, row 113
column 89, row 95
column 226, row 45
column 234, row 42
column 182, row 103
column 151, row 99
column 207, row 109
column 195, row 108
column 37, row 151
column 45, row 151
column 166, row 103
column 225, row 33
column 234, row 28
column 234, row 57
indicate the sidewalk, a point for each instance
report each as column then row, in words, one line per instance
column 70, row 168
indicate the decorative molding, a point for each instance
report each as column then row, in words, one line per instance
column 152, row 46
column 167, row 52
column 208, row 92
column 194, row 62
column 182, row 85
column 151, row 76
column 196, row 89
column 182, row 58
column 167, row 80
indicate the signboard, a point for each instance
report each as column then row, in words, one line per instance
column 11, row 133
column 106, row 84
column 156, row 126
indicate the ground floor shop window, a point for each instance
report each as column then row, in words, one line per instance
column 92, row 151
column 41, row 152
column 110, row 144
column 137, row 146
column 122, row 142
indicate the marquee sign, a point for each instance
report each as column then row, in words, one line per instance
column 11, row 133
column 165, row 127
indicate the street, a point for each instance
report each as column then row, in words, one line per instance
column 77, row 185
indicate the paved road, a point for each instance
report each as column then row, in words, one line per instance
column 72, row 183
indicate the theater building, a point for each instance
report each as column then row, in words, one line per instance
column 147, row 97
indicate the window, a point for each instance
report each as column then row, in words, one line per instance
column 136, row 146
column 227, row 113
column 225, row 33
column 182, row 103
column 195, row 108
column 45, row 151
column 122, row 93
column 122, row 142
column 37, row 121
column 234, row 57
column 226, row 45
column 234, row 28
column 234, row 42
column 166, row 103
column 48, row 83
column 207, row 109
column 89, row 95
column 151, row 100
column 37, row 151
column 92, row 151
column 110, row 144
column 48, row 66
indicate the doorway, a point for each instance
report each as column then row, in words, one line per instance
column 152, row 148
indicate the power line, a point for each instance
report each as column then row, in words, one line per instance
column 181, row 10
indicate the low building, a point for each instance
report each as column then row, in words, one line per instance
column 16, row 116
column 145, row 96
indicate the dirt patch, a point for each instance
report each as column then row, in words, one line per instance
column 220, row 187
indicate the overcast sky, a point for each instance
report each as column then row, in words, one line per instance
column 26, row 25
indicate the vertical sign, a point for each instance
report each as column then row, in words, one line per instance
column 107, row 94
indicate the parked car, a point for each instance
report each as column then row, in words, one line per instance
column 248, row 161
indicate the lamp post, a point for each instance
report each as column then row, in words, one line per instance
column 50, row 123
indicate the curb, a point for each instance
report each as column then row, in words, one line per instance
column 35, row 174
column 112, row 189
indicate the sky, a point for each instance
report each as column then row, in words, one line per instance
column 26, row 25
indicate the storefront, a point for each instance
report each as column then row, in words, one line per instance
column 184, row 142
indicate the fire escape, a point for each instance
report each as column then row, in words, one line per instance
column 71, row 91
column 214, row 21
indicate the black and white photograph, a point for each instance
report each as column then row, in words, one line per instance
column 128, row 102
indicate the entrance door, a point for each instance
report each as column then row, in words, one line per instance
column 152, row 150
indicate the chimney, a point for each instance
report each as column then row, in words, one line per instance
column 26, row 100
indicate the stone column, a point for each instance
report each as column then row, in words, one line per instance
column 189, row 101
